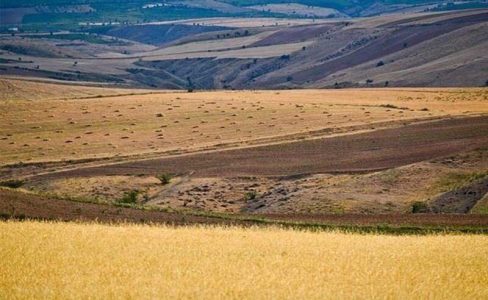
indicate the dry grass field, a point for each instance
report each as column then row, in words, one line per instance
column 62, row 122
column 134, row 136
column 69, row 260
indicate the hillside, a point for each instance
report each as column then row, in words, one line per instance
column 258, row 152
column 74, row 14
column 414, row 49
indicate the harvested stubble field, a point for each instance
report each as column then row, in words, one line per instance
column 76, row 125
column 68, row 260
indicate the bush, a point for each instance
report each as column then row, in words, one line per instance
column 164, row 178
column 130, row 197
column 250, row 195
column 12, row 183
column 420, row 207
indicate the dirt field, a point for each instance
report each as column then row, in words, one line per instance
column 437, row 183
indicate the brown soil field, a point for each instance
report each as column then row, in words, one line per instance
column 29, row 206
column 365, row 152
column 63, row 122
column 389, row 191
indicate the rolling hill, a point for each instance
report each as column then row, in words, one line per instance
column 414, row 49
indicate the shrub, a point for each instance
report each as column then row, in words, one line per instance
column 250, row 195
column 380, row 63
column 419, row 207
column 164, row 178
column 12, row 183
column 129, row 197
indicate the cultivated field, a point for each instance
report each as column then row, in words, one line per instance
column 398, row 50
column 294, row 9
column 210, row 149
column 246, row 22
column 281, row 152
column 62, row 122
column 65, row 260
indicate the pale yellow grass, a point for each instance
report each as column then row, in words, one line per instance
column 53, row 130
column 248, row 52
column 18, row 89
column 203, row 46
column 73, row 261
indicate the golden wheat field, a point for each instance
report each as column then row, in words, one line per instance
column 69, row 260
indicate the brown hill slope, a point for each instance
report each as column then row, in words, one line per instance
column 427, row 49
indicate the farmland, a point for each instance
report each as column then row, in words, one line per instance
column 243, row 149
column 260, row 53
column 59, row 260
column 78, row 122
column 257, row 152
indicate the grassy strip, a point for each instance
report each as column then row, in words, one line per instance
column 362, row 229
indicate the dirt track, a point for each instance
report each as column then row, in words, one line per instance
column 19, row 205
column 364, row 152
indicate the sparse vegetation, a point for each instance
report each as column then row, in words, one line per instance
column 420, row 207
column 455, row 180
column 251, row 195
column 164, row 178
column 12, row 183
column 129, row 197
